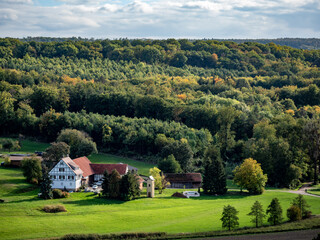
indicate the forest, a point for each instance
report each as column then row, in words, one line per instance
column 154, row 98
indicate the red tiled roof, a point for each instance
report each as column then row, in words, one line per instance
column 84, row 164
column 100, row 168
column 183, row 177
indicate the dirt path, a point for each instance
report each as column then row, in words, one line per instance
column 292, row 235
column 303, row 190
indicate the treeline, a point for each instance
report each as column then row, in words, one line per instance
column 249, row 57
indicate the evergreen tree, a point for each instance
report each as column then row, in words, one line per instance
column 301, row 203
column 257, row 213
column 45, row 186
column 214, row 178
column 275, row 212
column 129, row 187
column 105, row 184
column 229, row 217
column 114, row 184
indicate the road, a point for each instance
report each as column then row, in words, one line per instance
column 292, row 235
column 303, row 190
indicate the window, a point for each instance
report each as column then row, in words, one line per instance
column 69, row 177
column 60, row 176
column 61, row 169
column 72, row 177
column 54, row 176
column 64, row 177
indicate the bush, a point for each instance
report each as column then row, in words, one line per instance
column 57, row 193
column 141, row 235
column 34, row 181
column 294, row 213
column 65, row 194
column 54, row 208
column 81, row 237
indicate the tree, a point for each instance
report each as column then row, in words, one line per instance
column 54, row 153
column 229, row 217
column 182, row 153
column 274, row 211
column 311, row 133
column 301, row 203
column 10, row 144
column 6, row 109
column 159, row 180
column 45, row 186
column 249, row 175
column 169, row 165
column 129, row 187
column 114, row 185
column 257, row 213
column 214, row 177
column 31, row 168
column 105, row 184
column 80, row 143
column 294, row 213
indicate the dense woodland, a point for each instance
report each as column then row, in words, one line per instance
column 154, row 98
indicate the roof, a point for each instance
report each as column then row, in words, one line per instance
column 20, row 158
column 183, row 177
column 84, row 164
column 73, row 166
column 140, row 179
column 100, row 168
column 130, row 168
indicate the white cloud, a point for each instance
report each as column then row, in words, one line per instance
column 163, row 18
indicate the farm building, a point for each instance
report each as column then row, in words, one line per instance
column 184, row 180
column 71, row 174
column 16, row 159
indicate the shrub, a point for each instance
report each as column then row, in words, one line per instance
column 81, row 237
column 294, row 213
column 34, row 181
column 7, row 161
column 54, row 208
column 57, row 193
column 179, row 195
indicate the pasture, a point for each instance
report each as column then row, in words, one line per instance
column 22, row 218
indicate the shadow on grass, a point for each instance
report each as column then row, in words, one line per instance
column 93, row 201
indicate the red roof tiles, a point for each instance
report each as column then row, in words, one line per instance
column 84, row 164
column 183, row 177
column 100, row 168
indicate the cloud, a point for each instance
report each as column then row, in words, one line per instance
column 16, row 1
column 162, row 18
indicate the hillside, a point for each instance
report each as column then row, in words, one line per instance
column 153, row 98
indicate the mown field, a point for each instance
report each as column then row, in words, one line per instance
column 86, row 213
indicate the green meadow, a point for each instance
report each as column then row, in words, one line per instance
column 21, row 217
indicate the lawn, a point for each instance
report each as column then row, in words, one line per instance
column 315, row 190
column 28, row 146
column 87, row 213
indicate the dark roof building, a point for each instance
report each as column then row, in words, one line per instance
column 184, row 180
column 122, row 169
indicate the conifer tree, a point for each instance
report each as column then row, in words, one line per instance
column 229, row 217
column 275, row 212
column 301, row 203
column 129, row 187
column 214, row 178
column 45, row 186
column 105, row 184
column 257, row 213
column 114, row 184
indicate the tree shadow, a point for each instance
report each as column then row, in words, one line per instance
column 93, row 201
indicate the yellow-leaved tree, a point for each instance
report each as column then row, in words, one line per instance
column 249, row 175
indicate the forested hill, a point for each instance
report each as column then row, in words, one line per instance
column 153, row 98
column 300, row 43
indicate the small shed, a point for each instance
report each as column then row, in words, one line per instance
column 184, row 180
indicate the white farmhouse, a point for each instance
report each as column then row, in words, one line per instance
column 66, row 174
column 72, row 174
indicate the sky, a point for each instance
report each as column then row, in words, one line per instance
column 160, row 19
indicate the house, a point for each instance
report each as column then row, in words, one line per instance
column 184, row 180
column 72, row 174
column 66, row 174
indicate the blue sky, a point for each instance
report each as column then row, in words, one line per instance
column 160, row 18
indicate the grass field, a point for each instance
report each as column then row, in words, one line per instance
column 315, row 190
column 28, row 146
column 86, row 213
